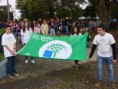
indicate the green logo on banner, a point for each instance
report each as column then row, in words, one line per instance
column 56, row 49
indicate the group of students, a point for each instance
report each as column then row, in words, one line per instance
column 55, row 26
column 42, row 27
column 104, row 41
column 36, row 26
column 27, row 31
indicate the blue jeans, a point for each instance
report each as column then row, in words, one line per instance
column 11, row 62
column 109, row 63
column 52, row 32
column 66, row 31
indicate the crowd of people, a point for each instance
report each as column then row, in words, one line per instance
column 52, row 27
column 56, row 27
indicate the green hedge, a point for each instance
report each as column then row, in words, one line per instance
column 1, row 57
column 1, row 48
column 2, row 31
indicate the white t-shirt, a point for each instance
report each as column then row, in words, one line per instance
column 25, row 36
column 80, row 33
column 9, row 40
column 104, row 44
column 74, row 34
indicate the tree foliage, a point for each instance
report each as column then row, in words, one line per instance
column 50, row 8
column 33, row 9
column 105, row 9
column 90, row 11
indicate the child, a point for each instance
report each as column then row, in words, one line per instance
column 82, row 28
column 52, row 31
column 36, row 28
column 9, row 47
column 75, row 33
column 25, row 34
column 106, row 54
column 44, row 28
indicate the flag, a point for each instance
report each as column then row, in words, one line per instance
column 50, row 47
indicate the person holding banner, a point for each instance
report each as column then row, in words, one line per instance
column 75, row 33
column 26, row 33
column 106, row 53
column 9, row 47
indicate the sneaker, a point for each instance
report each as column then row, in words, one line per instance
column 16, row 74
column 10, row 76
column 77, row 66
column 33, row 61
column 26, row 61
column 113, row 85
column 98, row 84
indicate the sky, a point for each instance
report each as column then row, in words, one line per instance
column 12, row 3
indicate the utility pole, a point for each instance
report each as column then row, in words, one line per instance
column 8, row 10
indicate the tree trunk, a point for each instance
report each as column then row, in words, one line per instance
column 51, row 12
column 103, row 13
column 50, row 6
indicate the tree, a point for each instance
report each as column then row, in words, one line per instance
column 105, row 8
column 32, row 9
column 114, row 11
column 103, row 14
column 90, row 11
column 56, row 48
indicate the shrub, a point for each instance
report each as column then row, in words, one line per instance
column 1, row 57
column 1, row 48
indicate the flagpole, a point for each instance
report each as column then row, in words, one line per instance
column 8, row 10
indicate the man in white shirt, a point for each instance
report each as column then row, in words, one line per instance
column 106, row 53
column 9, row 46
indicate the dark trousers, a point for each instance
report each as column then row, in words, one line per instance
column 11, row 62
column 26, row 58
column 76, row 62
